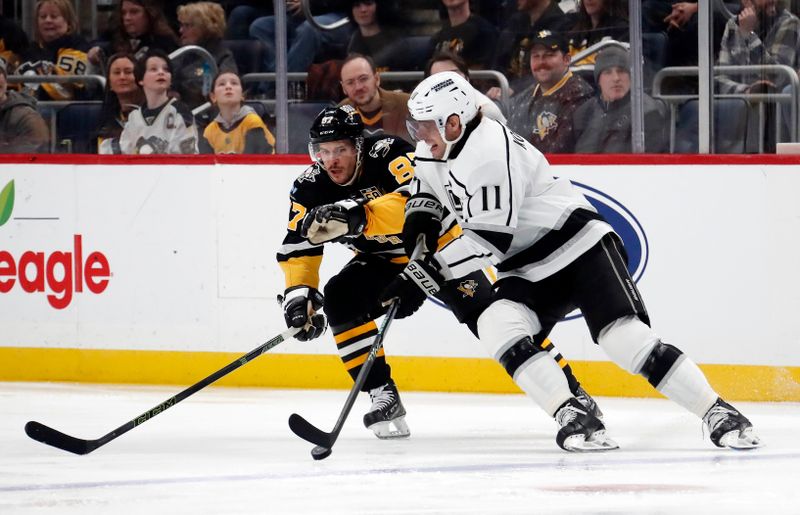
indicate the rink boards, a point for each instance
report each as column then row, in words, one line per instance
column 142, row 271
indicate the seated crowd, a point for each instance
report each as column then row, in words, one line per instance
column 561, row 98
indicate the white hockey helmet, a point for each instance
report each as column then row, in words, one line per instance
column 438, row 97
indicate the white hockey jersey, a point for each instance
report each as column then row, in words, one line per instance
column 515, row 215
column 168, row 129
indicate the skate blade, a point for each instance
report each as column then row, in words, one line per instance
column 391, row 429
column 598, row 442
column 741, row 441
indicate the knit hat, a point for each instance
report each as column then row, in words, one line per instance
column 609, row 58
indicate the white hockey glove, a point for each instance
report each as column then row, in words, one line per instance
column 300, row 305
column 331, row 222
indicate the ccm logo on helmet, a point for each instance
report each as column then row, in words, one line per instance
column 62, row 273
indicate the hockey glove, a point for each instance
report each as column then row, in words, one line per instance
column 331, row 222
column 412, row 286
column 300, row 304
column 423, row 216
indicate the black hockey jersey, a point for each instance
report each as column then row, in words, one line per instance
column 63, row 56
column 387, row 165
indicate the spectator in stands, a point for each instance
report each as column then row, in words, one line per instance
column 305, row 41
column 243, row 14
column 513, row 45
column 57, row 49
column 603, row 124
column 137, row 26
column 376, row 35
column 162, row 125
column 13, row 43
column 202, row 24
column 542, row 113
column 678, row 20
column 122, row 95
column 595, row 21
column 22, row 128
column 466, row 34
column 447, row 61
column 237, row 129
column 382, row 111
column 762, row 33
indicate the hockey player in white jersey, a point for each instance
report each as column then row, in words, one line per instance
column 553, row 253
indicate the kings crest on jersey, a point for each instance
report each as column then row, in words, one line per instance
column 387, row 165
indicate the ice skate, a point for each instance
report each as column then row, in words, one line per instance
column 581, row 431
column 386, row 417
column 729, row 428
column 588, row 402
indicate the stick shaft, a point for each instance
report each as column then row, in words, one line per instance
column 65, row 442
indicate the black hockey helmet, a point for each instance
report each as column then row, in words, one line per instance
column 335, row 123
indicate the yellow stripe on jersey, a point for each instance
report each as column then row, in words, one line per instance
column 68, row 62
column 449, row 236
column 354, row 332
column 301, row 270
column 234, row 140
column 359, row 360
column 385, row 215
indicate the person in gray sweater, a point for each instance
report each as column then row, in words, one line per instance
column 22, row 128
column 602, row 124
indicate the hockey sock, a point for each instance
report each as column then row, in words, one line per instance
column 353, row 344
column 685, row 384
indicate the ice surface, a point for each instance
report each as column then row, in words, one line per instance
column 228, row 450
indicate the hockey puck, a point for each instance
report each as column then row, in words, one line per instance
column 320, row 453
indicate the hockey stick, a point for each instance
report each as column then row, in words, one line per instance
column 50, row 436
column 324, row 441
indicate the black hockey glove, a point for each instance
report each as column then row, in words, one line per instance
column 331, row 222
column 423, row 216
column 412, row 286
column 300, row 304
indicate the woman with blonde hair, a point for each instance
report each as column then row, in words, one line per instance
column 201, row 24
column 237, row 129
column 57, row 49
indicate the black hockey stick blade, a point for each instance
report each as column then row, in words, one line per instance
column 48, row 435
column 309, row 432
column 320, row 453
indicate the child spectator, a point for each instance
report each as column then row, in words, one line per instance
column 122, row 96
column 57, row 49
column 542, row 113
column 603, row 124
column 595, row 21
column 466, row 34
column 138, row 26
column 532, row 17
column 202, row 24
column 22, row 128
column 237, row 129
column 162, row 125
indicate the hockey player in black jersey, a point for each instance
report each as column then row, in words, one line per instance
column 553, row 253
column 352, row 194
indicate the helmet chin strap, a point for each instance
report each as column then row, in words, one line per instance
column 448, row 145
